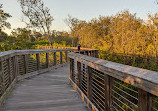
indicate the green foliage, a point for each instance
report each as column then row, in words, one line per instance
column 13, row 43
column 3, row 19
column 3, row 36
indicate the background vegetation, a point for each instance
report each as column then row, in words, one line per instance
column 122, row 38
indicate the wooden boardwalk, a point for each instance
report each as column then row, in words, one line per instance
column 50, row 91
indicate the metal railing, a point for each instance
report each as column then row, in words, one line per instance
column 20, row 64
column 109, row 86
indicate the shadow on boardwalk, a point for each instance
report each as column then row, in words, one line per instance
column 46, row 92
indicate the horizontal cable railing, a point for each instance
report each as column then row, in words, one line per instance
column 20, row 64
column 109, row 86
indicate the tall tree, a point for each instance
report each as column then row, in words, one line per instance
column 72, row 22
column 3, row 19
column 38, row 15
column 22, row 33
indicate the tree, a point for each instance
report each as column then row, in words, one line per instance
column 3, row 36
column 72, row 22
column 3, row 19
column 38, row 15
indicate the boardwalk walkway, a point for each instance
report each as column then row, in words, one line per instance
column 46, row 92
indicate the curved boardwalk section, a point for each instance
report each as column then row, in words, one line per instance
column 46, row 92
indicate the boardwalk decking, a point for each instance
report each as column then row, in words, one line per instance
column 46, row 92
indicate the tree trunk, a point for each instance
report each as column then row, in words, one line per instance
column 51, row 42
column 72, row 42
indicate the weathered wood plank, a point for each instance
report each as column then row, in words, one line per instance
column 144, row 100
column 46, row 92
column 38, row 61
column 55, row 59
column 79, row 74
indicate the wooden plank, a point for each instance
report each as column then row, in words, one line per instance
column 66, row 56
column 71, row 69
column 6, row 54
column 144, row 100
column 96, row 54
column 107, row 92
column 89, row 90
column 55, row 59
column 16, row 66
column 9, row 74
column 46, row 92
column 79, row 74
column 47, row 59
column 38, row 61
column 2, row 78
column 31, row 74
column 26, row 63
column 61, row 57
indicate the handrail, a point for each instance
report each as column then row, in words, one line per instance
column 16, row 65
column 113, row 86
column 60, row 47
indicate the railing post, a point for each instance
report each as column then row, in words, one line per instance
column 92, row 53
column 144, row 100
column 8, row 65
column 38, row 61
column 96, row 54
column 26, row 63
column 61, row 57
column 47, row 59
column 2, row 78
column 71, row 69
column 107, row 87
column 89, row 90
column 16, row 66
column 84, row 52
column 89, row 53
column 55, row 59
column 79, row 74
column 66, row 56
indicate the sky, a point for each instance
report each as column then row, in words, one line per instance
column 81, row 9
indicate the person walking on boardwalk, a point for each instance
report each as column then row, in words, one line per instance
column 78, row 46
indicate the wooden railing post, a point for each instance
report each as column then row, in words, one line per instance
column 92, row 53
column 66, row 56
column 144, row 100
column 16, row 67
column 71, row 69
column 55, row 59
column 38, row 61
column 79, row 74
column 47, row 59
column 89, row 53
column 96, row 54
column 61, row 57
column 2, row 78
column 107, row 87
column 84, row 53
column 26, row 63
column 89, row 90
column 8, row 65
